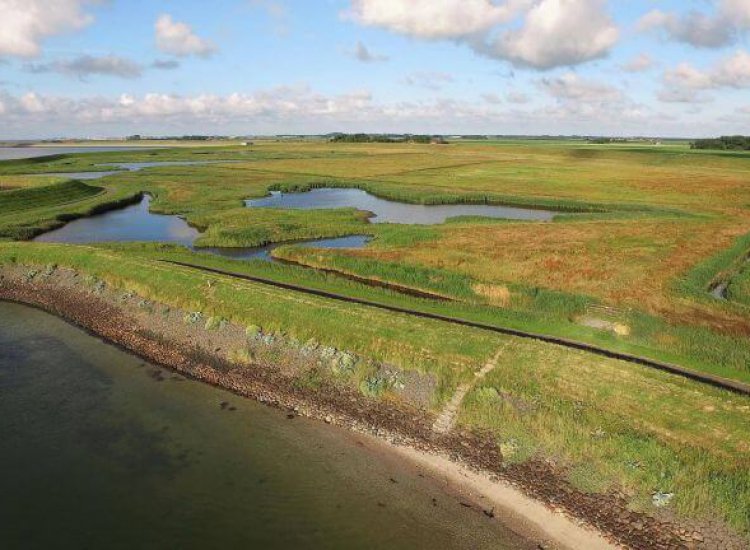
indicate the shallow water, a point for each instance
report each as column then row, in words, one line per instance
column 264, row 252
column 101, row 450
column 132, row 223
column 13, row 153
column 392, row 211
column 135, row 223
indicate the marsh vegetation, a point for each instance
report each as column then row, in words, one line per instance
column 640, row 236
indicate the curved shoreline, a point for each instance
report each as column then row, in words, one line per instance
column 550, row 508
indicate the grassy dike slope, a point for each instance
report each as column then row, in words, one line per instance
column 608, row 426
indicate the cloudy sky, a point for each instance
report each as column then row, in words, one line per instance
column 619, row 67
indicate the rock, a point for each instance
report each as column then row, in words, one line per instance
column 328, row 419
column 661, row 499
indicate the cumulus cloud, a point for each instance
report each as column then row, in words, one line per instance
column 550, row 33
column 299, row 109
column 723, row 27
column 557, row 33
column 176, row 38
column 732, row 72
column 688, row 84
column 365, row 55
column 570, row 87
column 86, row 65
column 24, row 24
column 639, row 64
column 433, row 19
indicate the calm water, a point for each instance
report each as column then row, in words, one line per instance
column 100, row 450
column 392, row 211
column 135, row 223
column 132, row 223
column 11, row 153
column 264, row 252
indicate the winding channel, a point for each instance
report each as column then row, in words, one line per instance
column 136, row 223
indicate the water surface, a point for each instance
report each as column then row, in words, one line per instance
column 101, row 450
column 129, row 224
column 392, row 211
column 135, row 223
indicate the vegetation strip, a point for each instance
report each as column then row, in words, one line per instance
column 716, row 381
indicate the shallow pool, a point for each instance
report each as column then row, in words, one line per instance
column 392, row 211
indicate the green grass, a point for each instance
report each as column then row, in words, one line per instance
column 639, row 431
column 642, row 229
column 541, row 401
column 25, row 213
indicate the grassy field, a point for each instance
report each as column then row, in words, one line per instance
column 643, row 233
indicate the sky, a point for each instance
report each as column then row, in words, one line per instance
column 101, row 68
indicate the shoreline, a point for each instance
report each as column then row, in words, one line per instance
column 531, row 499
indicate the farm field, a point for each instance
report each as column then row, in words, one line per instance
column 641, row 239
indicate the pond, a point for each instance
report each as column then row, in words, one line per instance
column 103, row 450
column 392, row 211
column 135, row 223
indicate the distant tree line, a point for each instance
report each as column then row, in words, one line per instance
column 724, row 143
column 383, row 138
column 604, row 140
column 138, row 137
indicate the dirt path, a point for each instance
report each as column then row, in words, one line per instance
column 447, row 418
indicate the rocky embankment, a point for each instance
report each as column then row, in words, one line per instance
column 311, row 380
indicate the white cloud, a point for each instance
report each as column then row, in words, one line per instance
column 24, row 24
column 552, row 33
column 365, row 55
column 639, row 64
column 570, row 87
column 434, row 19
column 687, row 76
column 299, row 109
column 723, row 27
column 557, row 33
column 687, row 84
column 86, row 65
column 732, row 72
column 176, row 38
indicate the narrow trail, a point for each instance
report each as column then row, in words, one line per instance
column 447, row 418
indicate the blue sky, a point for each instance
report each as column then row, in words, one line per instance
column 621, row 67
